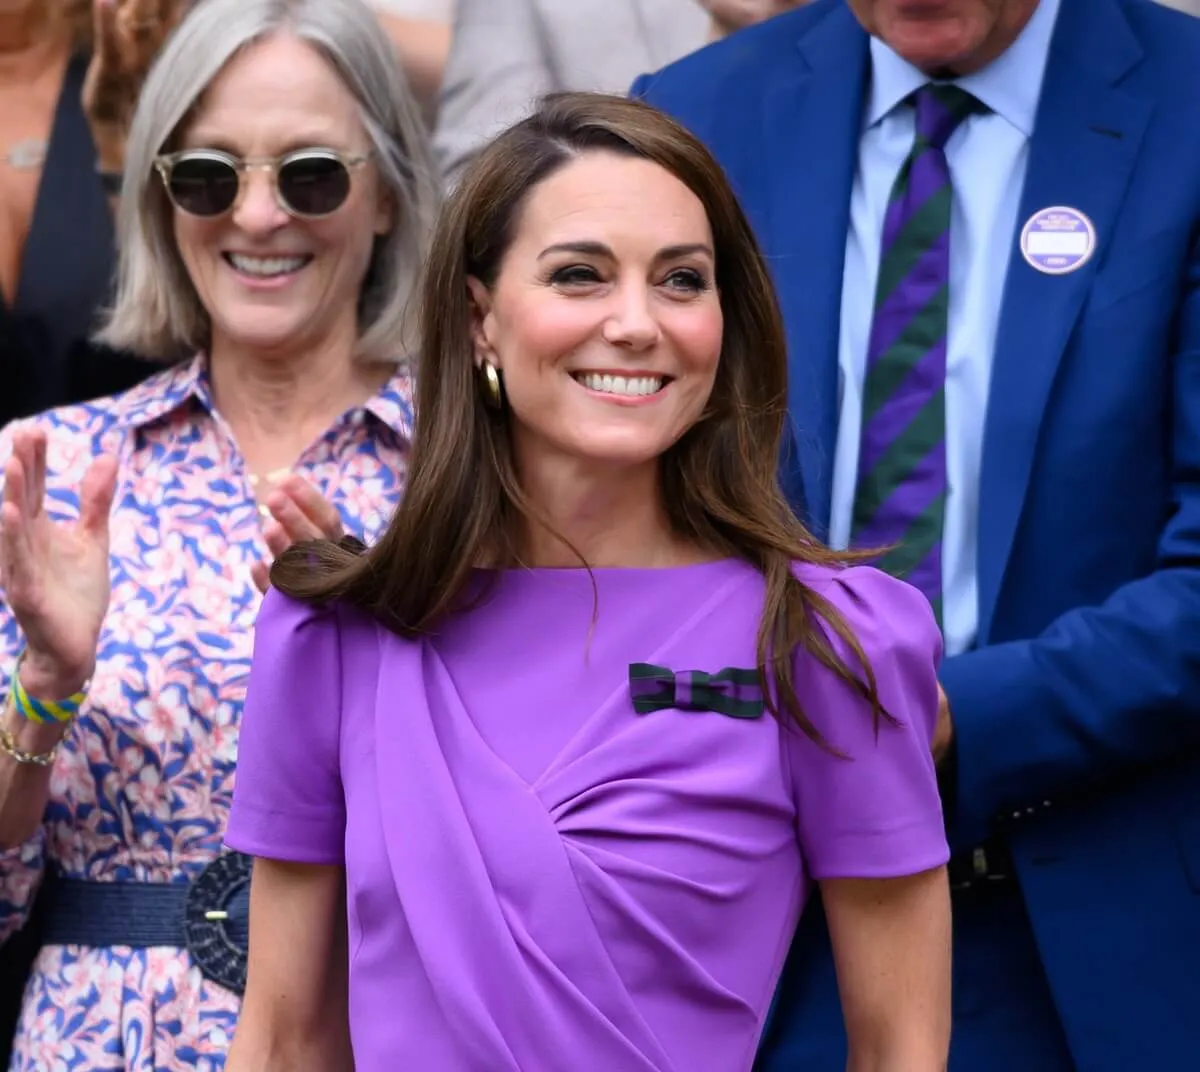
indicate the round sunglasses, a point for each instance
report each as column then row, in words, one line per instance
column 308, row 183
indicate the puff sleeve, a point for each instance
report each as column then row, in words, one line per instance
column 876, row 813
column 288, row 802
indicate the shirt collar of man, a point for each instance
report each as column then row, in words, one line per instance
column 1010, row 85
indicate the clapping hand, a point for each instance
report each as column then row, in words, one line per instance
column 299, row 513
column 55, row 574
column 127, row 37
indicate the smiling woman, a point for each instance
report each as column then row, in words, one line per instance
column 274, row 215
column 561, row 758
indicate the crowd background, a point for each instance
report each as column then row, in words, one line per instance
column 475, row 66
column 70, row 75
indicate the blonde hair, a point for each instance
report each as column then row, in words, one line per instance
column 157, row 312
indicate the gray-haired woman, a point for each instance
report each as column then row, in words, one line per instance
column 275, row 209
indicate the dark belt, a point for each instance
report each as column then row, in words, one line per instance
column 209, row 916
column 988, row 867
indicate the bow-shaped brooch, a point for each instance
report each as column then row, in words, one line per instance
column 733, row 692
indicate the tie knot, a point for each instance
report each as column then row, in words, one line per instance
column 940, row 108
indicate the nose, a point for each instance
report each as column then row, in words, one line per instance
column 257, row 211
column 632, row 323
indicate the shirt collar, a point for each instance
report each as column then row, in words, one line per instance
column 1010, row 85
column 393, row 403
column 162, row 394
column 173, row 389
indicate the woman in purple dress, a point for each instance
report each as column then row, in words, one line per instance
column 543, row 780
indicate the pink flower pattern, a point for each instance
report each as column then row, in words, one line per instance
column 142, row 787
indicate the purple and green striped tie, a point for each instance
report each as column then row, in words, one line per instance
column 900, row 499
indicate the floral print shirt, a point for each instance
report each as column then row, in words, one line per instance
column 142, row 786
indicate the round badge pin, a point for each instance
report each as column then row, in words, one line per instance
column 1058, row 240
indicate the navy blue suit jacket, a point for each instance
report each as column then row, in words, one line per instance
column 1078, row 713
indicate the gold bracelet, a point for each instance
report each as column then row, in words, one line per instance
column 8, row 743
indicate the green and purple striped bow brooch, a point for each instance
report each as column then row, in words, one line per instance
column 732, row 691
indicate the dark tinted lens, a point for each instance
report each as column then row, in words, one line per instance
column 203, row 186
column 314, row 185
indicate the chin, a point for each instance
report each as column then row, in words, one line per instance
column 264, row 332
column 928, row 49
column 619, row 455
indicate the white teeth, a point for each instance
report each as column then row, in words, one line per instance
column 620, row 385
column 265, row 267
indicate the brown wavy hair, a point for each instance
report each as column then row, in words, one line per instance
column 464, row 506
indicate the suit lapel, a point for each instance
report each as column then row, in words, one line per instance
column 813, row 119
column 1082, row 152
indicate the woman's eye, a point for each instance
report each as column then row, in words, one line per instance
column 687, row 279
column 574, row 275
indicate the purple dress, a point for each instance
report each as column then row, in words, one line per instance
column 539, row 876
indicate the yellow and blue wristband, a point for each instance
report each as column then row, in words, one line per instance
column 44, row 712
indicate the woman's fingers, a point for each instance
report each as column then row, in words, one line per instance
column 277, row 539
column 16, row 547
column 37, row 475
column 17, row 498
column 96, row 496
column 14, row 477
column 299, row 513
column 317, row 516
column 290, row 519
column 10, row 520
column 260, row 573
column 21, row 462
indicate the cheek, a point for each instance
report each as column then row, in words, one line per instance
column 542, row 329
column 697, row 339
column 351, row 232
column 197, row 241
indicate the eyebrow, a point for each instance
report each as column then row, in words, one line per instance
column 599, row 249
column 224, row 144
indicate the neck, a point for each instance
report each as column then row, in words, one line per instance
column 276, row 406
column 611, row 517
column 29, row 38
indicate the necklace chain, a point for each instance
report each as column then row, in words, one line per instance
column 26, row 155
column 260, row 487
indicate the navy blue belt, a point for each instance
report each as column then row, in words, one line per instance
column 209, row 916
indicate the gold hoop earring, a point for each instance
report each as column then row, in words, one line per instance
column 493, row 396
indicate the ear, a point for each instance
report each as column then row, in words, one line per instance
column 483, row 324
column 385, row 211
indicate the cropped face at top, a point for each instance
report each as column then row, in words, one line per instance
column 945, row 36
column 277, row 202
column 604, row 320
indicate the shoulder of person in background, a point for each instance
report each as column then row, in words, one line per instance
column 506, row 54
column 437, row 10
column 421, row 32
column 1192, row 7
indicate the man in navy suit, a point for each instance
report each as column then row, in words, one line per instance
column 983, row 219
